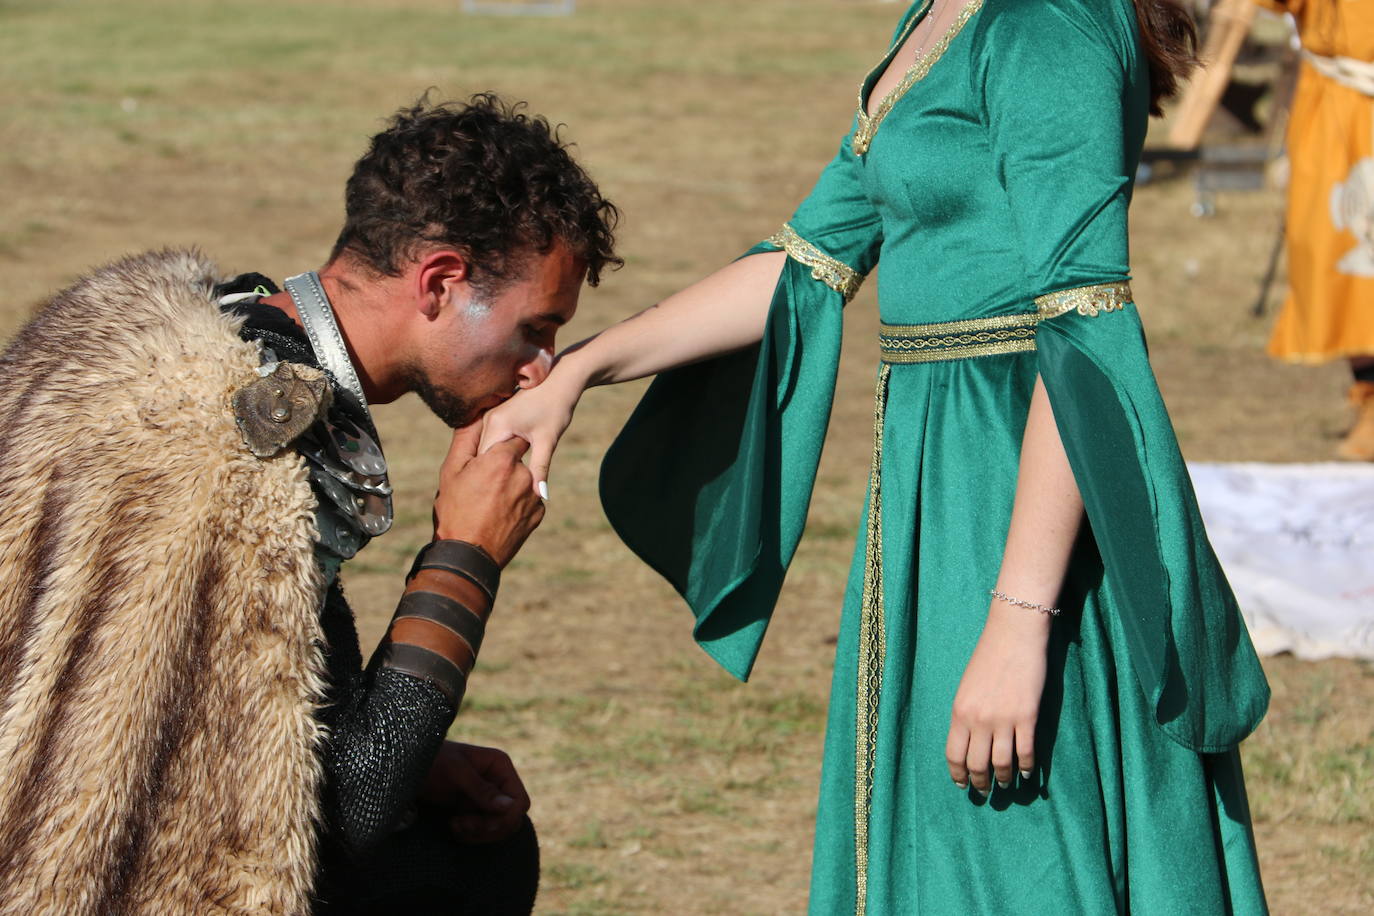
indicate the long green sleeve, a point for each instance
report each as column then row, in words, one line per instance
column 1064, row 132
column 710, row 481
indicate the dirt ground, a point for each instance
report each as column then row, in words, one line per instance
column 660, row 784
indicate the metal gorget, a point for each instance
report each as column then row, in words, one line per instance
column 347, row 468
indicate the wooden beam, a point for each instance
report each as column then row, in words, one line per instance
column 1228, row 25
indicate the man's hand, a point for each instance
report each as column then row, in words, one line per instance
column 486, row 499
column 479, row 788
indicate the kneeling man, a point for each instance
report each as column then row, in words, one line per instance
column 186, row 722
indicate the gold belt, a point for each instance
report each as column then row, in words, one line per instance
column 974, row 337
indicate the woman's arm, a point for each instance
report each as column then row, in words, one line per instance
column 1066, row 170
column 724, row 312
column 721, row 313
column 998, row 700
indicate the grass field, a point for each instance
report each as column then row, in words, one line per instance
column 660, row 785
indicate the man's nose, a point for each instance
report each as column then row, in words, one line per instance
column 534, row 371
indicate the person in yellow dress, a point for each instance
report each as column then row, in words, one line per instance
column 1329, row 313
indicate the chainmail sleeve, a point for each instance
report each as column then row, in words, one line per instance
column 385, row 728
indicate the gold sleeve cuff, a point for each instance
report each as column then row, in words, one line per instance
column 837, row 275
column 1089, row 301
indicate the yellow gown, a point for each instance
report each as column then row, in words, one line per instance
column 1329, row 312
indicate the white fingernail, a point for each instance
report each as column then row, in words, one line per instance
column 1002, row 785
column 543, row 489
column 1025, row 774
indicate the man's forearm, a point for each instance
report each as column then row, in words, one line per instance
column 442, row 616
column 384, row 744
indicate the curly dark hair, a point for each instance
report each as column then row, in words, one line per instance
column 483, row 177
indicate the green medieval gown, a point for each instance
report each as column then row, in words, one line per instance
column 993, row 185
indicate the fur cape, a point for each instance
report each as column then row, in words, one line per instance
column 160, row 645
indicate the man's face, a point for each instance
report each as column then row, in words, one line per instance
column 485, row 347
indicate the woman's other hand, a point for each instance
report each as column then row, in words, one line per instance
column 992, row 728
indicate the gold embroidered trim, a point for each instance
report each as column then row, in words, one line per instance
column 868, row 125
column 945, row 355
column 899, row 345
column 974, row 337
column 930, row 343
column 1087, row 300
column 1025, row 319
column 837, row 275
column 872, row 652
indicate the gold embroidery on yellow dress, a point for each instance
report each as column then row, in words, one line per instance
column 868, row 125
column 872, row 652
column 837, row 275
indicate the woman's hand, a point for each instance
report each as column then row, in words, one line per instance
column 992, row 729
column 719, row 314
column 539, row 415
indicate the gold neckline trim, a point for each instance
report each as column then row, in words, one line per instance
column 837, row 275
column 920, row 68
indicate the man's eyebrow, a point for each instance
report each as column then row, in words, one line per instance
column 552, row 318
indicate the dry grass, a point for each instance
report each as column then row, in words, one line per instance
column 660, row 785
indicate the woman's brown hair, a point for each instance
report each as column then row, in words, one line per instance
column 1169, row 38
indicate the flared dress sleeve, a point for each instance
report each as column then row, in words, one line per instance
column 710, row 480
column 1065, row 129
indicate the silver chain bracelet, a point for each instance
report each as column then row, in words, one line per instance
column 1028, row 605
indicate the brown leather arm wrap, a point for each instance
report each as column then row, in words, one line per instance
column 445, row 612
column 417, row 661
column 463, row 559
column 439, row 623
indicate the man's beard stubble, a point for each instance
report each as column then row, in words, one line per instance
column 454, row 411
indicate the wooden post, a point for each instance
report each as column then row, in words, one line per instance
column 1229, row 24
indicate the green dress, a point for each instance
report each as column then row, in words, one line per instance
column 994, row 191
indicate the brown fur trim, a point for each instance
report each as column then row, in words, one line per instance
column 160, row 656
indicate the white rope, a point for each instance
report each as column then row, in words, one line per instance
column 1348, row 71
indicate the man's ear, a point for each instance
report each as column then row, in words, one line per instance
column 436, row 275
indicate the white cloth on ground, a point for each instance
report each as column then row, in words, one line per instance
column 1297, row 543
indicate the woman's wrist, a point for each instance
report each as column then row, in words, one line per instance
column 576, row 369
column 1010, row 618
column 1043, row 607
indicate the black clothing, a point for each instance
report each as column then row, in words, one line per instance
column 385, row 728
column 424, row 870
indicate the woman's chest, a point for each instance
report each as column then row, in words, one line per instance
column 928, row 160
